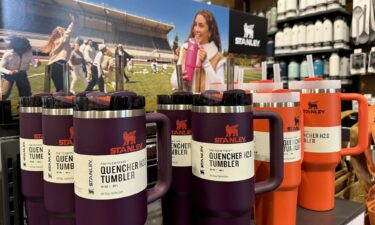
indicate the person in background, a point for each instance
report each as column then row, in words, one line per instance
column 211, row 63
column 108, row 66
column 89, row 55
column 75, row 64
column 154, row 66
column 59, row 51
column 97, row 70
column 125, row 57
column 13, row 67
column 130, row 66
column 83, row 46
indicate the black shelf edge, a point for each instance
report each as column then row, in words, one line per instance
column 322, row 51
column 312, row 16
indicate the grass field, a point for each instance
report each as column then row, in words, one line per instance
column 147, row 84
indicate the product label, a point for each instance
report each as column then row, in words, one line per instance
column 292, row 146
column 322, row 139
column 31, row 154
column 105, row 177
column 223, row 162
column 58, row 164
column 181, row 150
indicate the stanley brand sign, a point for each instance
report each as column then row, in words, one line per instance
column 247, row 33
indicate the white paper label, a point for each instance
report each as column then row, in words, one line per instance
column 292, row 146
column 31, row 154
column 322, row 139
column 105, row 177
column 181, row 150
column 58, row 164
column 223, row 162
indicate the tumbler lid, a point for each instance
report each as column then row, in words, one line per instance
column 314, row 83
column 90, row 100
column 126, row 100
column 228, row 98
column 58, row 100
column 281, row 95
column 262, row 85
column 32, row 101
column 177, row 98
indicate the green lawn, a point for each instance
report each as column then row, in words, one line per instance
column 149, row 85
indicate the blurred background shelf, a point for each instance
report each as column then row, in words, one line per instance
column 332, row 13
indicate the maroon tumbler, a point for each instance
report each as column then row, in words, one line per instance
column 111, row 159
column 177, row 203
column 31, row 151
column 58, row 163
column 223, row 157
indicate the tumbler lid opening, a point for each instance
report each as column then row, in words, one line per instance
column 58, row 100
column 234, row 97
column 177, row 98
column 126, row 100
column 33, row 101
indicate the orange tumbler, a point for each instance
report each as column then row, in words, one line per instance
column 321, row 106
column 278, row 207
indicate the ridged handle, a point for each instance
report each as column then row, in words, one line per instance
column 164, row 156
column 276, row 152
column 362, row 143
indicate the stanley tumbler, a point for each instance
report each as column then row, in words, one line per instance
column 321, row 106
column 223, row 157
column 111, row 159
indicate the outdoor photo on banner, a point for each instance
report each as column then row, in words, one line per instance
column 81, row 40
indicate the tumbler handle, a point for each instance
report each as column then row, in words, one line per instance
column 362, row 124
column 164, row 156
column 276, row 152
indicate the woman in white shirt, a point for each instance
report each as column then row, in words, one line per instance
column 210, row 62
column 14, row 66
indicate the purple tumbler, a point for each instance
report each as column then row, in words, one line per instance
column 58, row 165
column 31, row 151
column 191, row 58
column 177, row 204
column 223, row 157
column 111, row 159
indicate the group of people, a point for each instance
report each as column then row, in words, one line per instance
column 84, row 59
column 90, row 65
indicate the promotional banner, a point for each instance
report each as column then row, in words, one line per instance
column 247, row 33
column 56, row 39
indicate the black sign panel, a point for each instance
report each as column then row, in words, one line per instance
column 247, row 33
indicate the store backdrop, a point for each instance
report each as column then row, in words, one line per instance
column 149, row 30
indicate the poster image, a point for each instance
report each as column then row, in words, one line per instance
column 54, row 35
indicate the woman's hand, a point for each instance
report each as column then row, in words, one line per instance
column 13, row 72
column 202, row 54
column 185, row 77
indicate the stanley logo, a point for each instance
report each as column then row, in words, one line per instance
column 313, row 108
column 129, row 138
column 129, row 144
column 296, row 124
column 70, row 140
column 231, row 135
column 181, row 128
column 38, row 136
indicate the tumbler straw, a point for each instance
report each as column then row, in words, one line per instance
column 264, row 70
column 276, row 73
column 310, row 66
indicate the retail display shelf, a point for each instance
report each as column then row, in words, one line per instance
column 321, row 52
column 332, row 13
